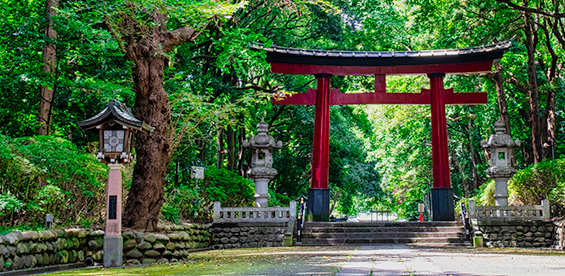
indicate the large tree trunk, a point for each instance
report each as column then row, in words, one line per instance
column 533, row 90
column 153, row 150
column 49, row 67
column 146, row 46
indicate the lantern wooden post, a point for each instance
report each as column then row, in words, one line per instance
column 115, row 126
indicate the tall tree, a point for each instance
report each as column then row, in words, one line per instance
column 146, row 44
column 49, row 68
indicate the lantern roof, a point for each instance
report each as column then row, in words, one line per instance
column 337, row 62
column 120, row 113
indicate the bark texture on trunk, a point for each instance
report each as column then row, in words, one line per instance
column 537, row 150
column 49, row 67
column 145, row 46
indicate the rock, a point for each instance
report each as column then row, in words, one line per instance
column 170, row 246
column 174, row 237
column 64, row 256
column 224, row 240
column 150, row 238
column 152, row 253
column 159, row 246
column 242, row 239
column 49, row 246
column 96, row 233
column 8, row 263
column 180, row 245
column 529, row 234
column 75, row 242
column 539, row 234
column 133, row 262
column 184, row 236
column 177, row 254
column 81, row 234
column 548, row 234
column 98, row 256
column 129, row 244
column 61, row 233
column 144, row 245
column 1, row 263
column 30, row 235
column 128, row 235
column 235, row 230
column 533, row 229
column 4, row 252
column 12, row 250
column 163, row 261
column 234, row 239
column 148, row 261
column 96, row 244
column 162, row 238
column 80, row 255
column 134, row 254
column 167, row 254
column 138, row 236
column 11, row 238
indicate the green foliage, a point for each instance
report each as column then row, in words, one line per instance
column 544, row 180
column 228, row 188
column 51, row 175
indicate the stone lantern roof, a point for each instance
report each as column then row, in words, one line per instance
column 120, row 113
column 500, row 142
column 500, row 139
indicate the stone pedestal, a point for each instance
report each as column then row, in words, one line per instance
column 442, row 204
column 113, row 242
column 318, row 206
column 501, row 192
column 262, row 192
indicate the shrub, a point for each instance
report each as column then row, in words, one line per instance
column 51, row 175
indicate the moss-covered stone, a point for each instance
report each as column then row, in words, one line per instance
column 148, row 261
column 152, row 253
column 134, row 254
column 96, row 244
column 144, row 245
column 98, row 256
column 128, row 235
column 159, row 246
column 133, row 262
column 170, row 246
column 150, row 238
column 129, row 244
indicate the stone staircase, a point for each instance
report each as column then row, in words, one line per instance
column 345, row 233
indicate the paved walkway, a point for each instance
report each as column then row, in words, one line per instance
column 404, row 260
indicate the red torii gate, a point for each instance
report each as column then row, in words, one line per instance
column 435, row 63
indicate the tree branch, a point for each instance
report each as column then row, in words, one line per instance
column 531, row 10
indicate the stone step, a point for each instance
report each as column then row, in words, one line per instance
column 309, row 229
column 453, row 235
column 336, row 233
column 337, row 241
column 381, row 224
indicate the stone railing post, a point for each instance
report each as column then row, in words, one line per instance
column 472, row 209
column 292, row 210
column 217, row 210
column 546, row 211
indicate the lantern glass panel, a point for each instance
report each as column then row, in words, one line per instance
column 114, row 140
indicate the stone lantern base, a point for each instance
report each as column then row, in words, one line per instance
column 442, row 204
column 318, row 205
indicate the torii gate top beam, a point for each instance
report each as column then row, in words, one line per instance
column 340, row 63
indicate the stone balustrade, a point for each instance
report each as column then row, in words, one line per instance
column 510, row 213
column 254, row 214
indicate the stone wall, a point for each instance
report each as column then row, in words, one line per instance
column 517, row 233
column 31, row 249
column 248, row 234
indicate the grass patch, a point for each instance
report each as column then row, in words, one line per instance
column 256, row 261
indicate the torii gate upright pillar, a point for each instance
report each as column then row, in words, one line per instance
column 319, row 192
column 442, row 202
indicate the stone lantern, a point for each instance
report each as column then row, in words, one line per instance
column 500, row 147
column 115, row 126
column 262, row 171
